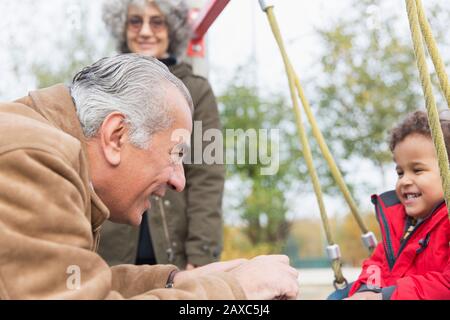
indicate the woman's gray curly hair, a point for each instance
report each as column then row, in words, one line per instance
column 176, row 14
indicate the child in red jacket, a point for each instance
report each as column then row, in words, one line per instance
column 413, row 260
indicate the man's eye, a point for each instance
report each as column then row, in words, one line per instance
column 177, row 154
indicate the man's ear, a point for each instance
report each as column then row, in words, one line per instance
column 113, row 134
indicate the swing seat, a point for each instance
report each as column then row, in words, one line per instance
column 340, row 294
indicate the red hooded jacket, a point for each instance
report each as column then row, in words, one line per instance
column 418, row 268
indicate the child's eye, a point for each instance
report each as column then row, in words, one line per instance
column 418, row 170
column 400, row 174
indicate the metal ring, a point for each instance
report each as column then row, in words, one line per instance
column 340, row 286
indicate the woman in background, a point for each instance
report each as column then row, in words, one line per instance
column 184, row 228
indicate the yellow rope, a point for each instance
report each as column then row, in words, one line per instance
column 336, row 264
column 433, row 116
column 434, row 51
column 329, row 158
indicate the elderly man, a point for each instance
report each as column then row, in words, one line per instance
column 70, row 158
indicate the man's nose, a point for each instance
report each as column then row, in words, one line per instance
column 177, row 180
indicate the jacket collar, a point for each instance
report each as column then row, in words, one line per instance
column 181, row 69
column 392, row 217
column 169, row 61
column 57, row 106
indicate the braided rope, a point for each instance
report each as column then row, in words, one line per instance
column 336, row 173
column 433, row 116
column 434, row 51
column 336, row 264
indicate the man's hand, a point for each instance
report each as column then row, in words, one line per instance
column 261, row 278
column 268, row 277
column 224, row 266
column 190, row 266
column 366, row 295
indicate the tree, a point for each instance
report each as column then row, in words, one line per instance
column 80, row 50
column 371, row 79
column 69, row 36
column 348, row 236
column 309, row 235
column 263, row 209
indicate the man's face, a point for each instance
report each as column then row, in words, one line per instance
column 145, row 172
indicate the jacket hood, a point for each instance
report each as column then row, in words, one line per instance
column 392, row 216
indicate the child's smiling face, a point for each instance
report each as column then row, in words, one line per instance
column 419, row 185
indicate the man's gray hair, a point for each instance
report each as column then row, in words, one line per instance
column 131, row 84
column 176, row 13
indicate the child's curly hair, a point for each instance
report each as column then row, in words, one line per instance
column 417, row 122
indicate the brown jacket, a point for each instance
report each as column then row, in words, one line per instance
column 50, row 216
column 187, row 226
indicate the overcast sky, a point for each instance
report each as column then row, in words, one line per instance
column 242, row 34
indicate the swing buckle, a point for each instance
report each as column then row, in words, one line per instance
column 340, row 286
column 369, row 240
column 333, row 252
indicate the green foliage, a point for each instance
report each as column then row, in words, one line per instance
column 79, row 51
column 264, row 210
column 370, row 79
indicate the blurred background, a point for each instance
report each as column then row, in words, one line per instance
column 355, row 61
